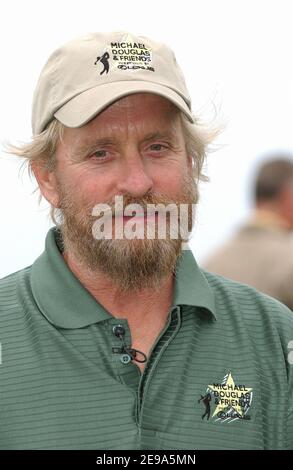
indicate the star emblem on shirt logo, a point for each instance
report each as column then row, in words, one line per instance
column 231, row 401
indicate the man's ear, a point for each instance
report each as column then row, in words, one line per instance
column 47, row 183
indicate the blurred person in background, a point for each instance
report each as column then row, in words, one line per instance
column 261, row 252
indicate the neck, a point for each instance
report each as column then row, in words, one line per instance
column 146, row 310
column 137, row 307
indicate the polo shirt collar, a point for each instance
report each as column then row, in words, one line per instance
column 191, row 286
column 65, row 302
column 58, row 293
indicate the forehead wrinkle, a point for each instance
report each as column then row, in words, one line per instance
column 162, row 124
column 130, row 115
column 137, row 104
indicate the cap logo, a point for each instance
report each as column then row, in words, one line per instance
column 125, row 54
column 104, row 59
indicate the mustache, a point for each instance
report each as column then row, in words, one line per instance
column 146, row 206
column 72, row 206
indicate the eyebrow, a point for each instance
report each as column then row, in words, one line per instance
column 159, row 135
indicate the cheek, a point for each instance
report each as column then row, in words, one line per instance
column 87, row 186
column 170, row 179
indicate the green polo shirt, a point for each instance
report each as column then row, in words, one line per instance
column 218, row 375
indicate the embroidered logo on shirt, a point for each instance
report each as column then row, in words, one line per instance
column 227, row 401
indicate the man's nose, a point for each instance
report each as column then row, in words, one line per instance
column 135, row 179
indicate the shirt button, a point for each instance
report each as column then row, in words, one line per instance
column 118, row 330
column 125, row 359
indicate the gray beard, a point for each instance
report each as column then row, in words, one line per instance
column 130, row 264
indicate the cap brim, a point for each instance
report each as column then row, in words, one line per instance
column 85, row 106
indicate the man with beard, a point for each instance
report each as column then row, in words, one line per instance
column 108, row 342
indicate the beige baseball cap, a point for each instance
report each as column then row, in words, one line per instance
column 86, row 75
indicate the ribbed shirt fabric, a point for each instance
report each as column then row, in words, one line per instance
column 218, row 375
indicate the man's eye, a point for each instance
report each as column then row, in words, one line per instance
column 100, row 154
column 157, row 147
